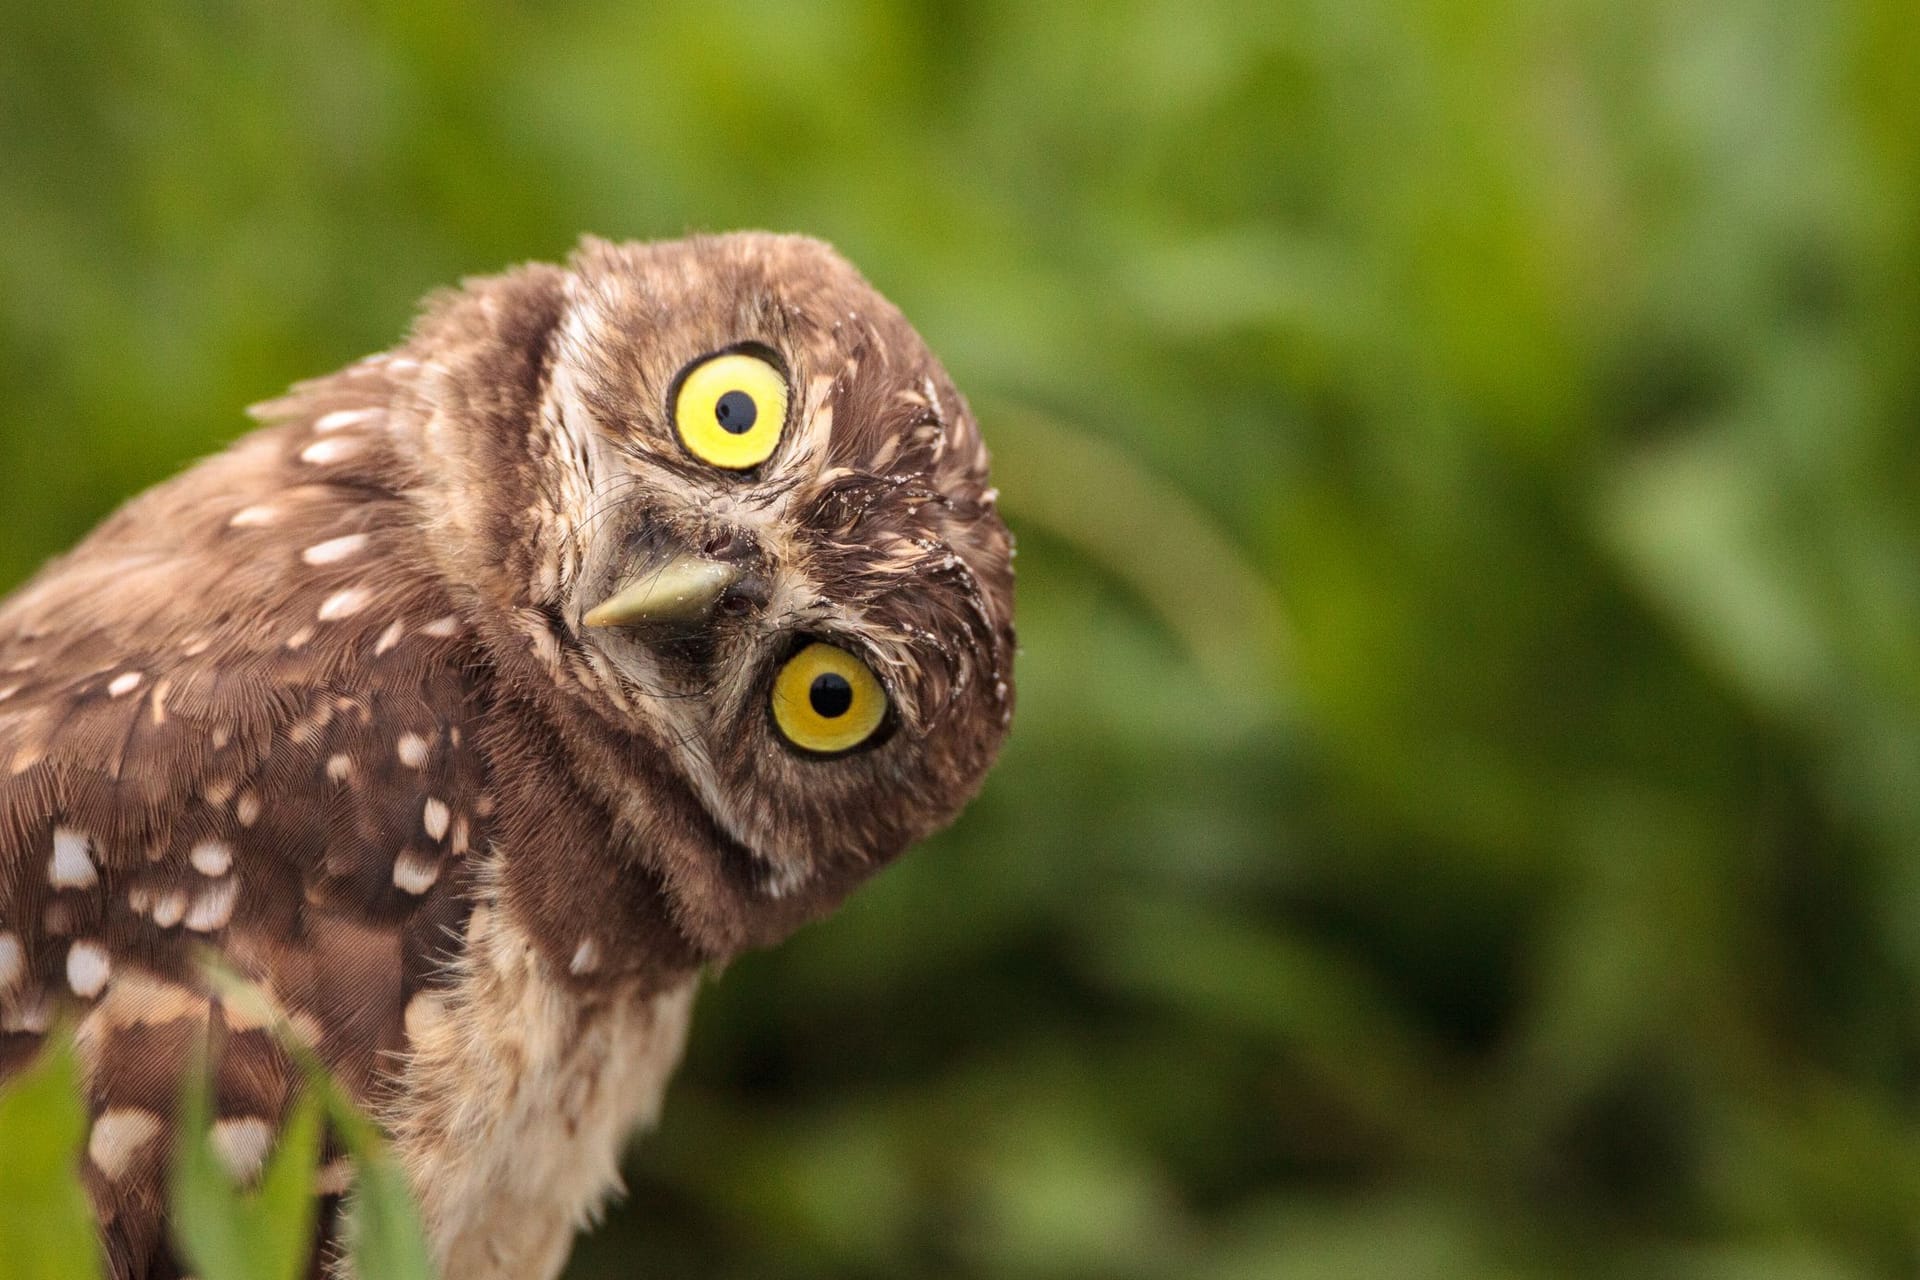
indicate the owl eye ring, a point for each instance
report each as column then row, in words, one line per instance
column 826, row 701
column 729, row 410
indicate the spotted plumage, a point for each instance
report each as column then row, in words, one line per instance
column 440, row 708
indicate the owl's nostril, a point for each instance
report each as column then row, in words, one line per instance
column 751, row 592
column 729, row 544
column 752, row 589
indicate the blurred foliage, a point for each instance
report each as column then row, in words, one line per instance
column 46, row 1228
column 1541, row 897
column 224, row 1232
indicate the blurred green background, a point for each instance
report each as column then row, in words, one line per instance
column 1464, row 814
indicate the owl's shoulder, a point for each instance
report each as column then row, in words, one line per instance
column 238, row 717
column 237, row 713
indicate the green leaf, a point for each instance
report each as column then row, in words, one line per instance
column 387, row 1239
column 230, row 1234
column 46, row 1227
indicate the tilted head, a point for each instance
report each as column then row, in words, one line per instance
column 719, row 497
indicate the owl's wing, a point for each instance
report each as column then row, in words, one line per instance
column 237, row 717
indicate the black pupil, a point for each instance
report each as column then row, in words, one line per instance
column 736, row 412
column 830, row 695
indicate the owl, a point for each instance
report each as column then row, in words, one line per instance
column 623, row 618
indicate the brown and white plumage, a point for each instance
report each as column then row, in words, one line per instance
column 327, row 703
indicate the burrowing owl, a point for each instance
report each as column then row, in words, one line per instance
column 626, row 616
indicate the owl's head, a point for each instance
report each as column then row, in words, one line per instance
column 727, row 509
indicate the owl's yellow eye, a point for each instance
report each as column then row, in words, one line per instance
column 826, row 700
column 730, row 410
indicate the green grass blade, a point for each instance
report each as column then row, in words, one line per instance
column 46, row 1227
column 230, row 1234
column 385, row 1236
column 387, row 1239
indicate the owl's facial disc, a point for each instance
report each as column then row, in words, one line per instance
column 786, row 581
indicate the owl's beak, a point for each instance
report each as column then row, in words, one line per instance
column 684, row 589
